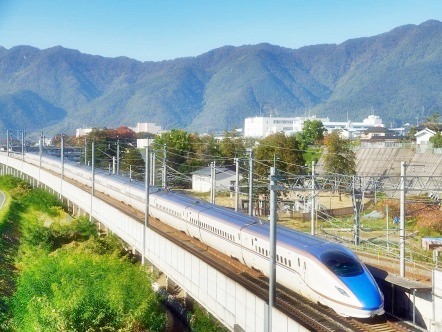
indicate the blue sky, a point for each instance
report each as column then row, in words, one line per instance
column 153, row 30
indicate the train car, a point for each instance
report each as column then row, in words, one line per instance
column 325, row 272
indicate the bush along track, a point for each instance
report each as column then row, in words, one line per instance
column 58, row 275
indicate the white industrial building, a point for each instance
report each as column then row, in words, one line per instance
column 80, row 132
column 147, row 127
column 259, row 127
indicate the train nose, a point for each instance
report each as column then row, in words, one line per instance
column 367, row 292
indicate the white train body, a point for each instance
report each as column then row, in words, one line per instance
column 322, row 271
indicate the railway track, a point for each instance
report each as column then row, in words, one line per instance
column 310, row 315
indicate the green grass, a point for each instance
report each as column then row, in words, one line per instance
column 57, row 275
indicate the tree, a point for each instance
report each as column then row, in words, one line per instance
column 180, row 151
column 436, row 140
column 107, row 142
column 232, row 145
column 312, row 132
column 339, row 157
column 281, row 150
column 133, row 162
column 125, row 133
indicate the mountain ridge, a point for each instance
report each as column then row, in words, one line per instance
column 394, row 74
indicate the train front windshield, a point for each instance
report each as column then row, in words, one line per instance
column 341, row 264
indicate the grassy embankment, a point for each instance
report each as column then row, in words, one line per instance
column 58, row 275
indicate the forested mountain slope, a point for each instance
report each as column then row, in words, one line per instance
column 396, row 75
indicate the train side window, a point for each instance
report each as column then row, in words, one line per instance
column 290, row 263
column 285, row 261
column 299, row 262
column 277, row 258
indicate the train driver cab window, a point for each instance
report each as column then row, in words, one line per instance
column 341, row 264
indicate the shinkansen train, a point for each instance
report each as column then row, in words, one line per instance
column 323, row 271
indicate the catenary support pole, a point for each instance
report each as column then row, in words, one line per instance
column 7, row 143
column 236, row 183
column 146, row 209
column 154, row 173
column 402, row 221
column 272, row 273
column 118, row 156
column 165, row 166
column 40, row 153
column 93, row 179
column 212, row 182
column 313, row 202
column 62, row 165
column 22, row 145
column 85, row 151
column 388, row 231
column 251, row 183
